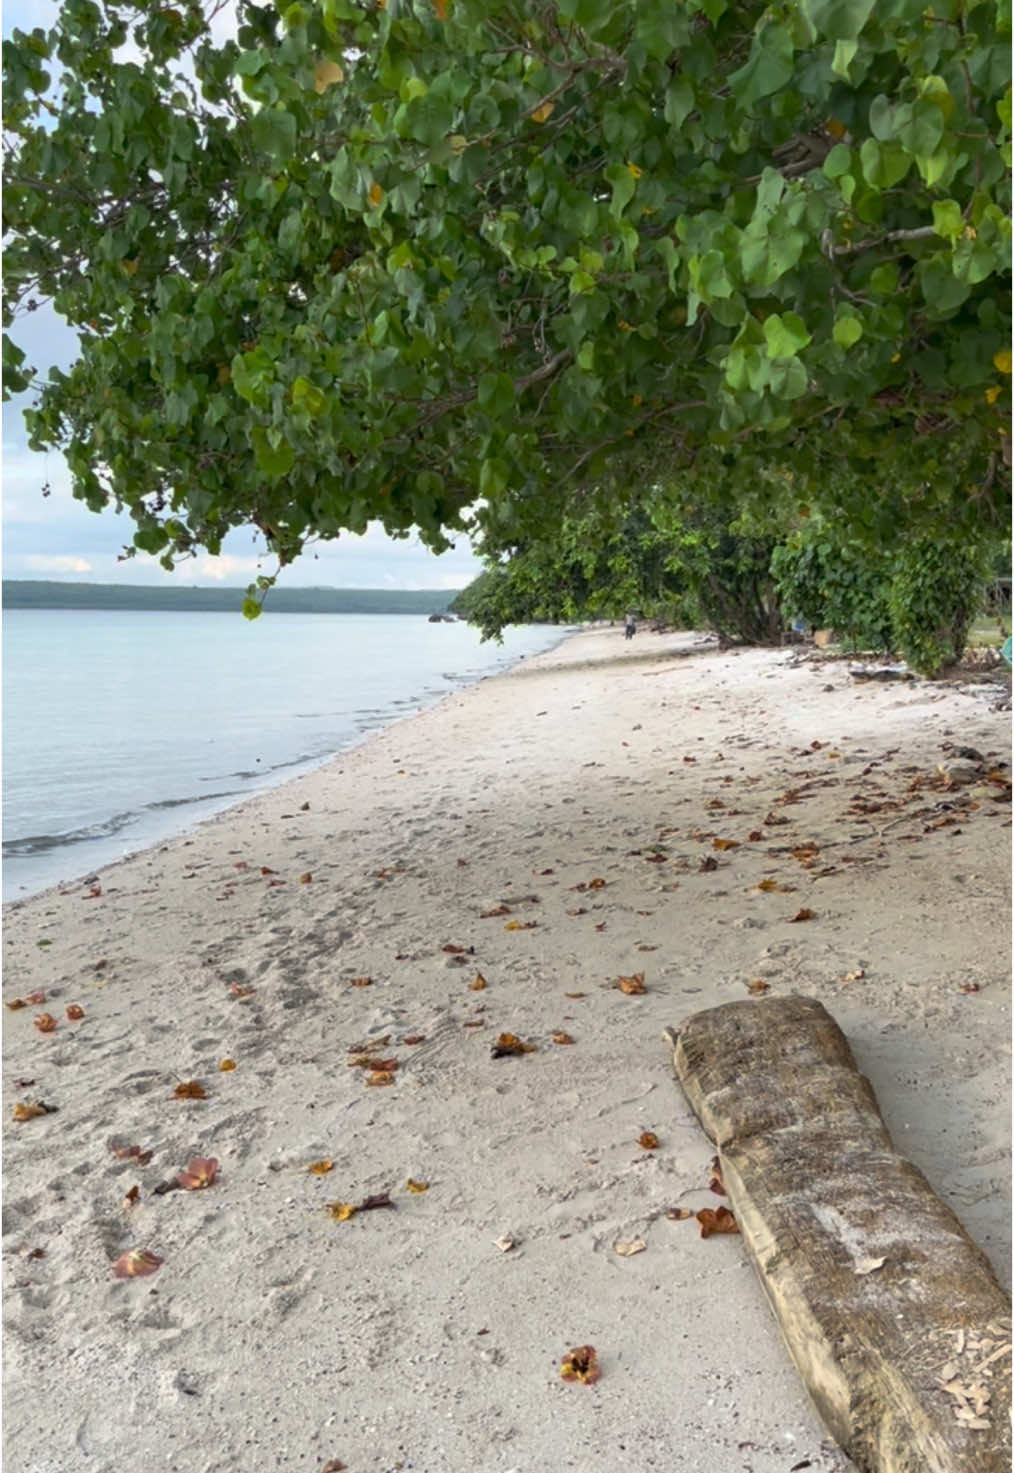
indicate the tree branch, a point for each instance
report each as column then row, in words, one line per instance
column 924, row 232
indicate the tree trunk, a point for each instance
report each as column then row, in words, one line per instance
column 891, row 1313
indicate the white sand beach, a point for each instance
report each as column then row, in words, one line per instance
column 553, row 822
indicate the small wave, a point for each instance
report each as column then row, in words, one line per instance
column 108, row 828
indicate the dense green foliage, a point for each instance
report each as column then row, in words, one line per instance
column 373, row 259
column 48, row 594
column 832, row 581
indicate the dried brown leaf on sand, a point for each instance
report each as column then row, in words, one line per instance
column 136, row 1263
column 508, row 1044
column 633, row 985
column 716, row 1220
column 581, row 1364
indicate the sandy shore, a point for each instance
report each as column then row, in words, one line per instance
column 275, row 1336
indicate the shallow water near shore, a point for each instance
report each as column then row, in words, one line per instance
column 124, row 728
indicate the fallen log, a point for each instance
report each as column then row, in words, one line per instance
column 892, row 1314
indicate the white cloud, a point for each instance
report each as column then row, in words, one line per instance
column 40, row 563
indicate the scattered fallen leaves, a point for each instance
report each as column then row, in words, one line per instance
column 226, row 1066
column 648, row 1140
column 766, row 886
column 755, row 836
column 378, row 1199
column 320, row 1168
column 136, row 1263
column 968, row 987
column 240, row 990
column 74, row 1012
column 806, row 854
column 868, row 1265
column 521, row 925
column 757, row 986
column 716, row 1220
column 361, row 982
column 633, row 985
column 200, row 1172
column 411, row 1039
column 505, row 1244
column 132, row 1197
column 453, row 950
column 803, row 914
column 334, row 1465
column 497, row 910
column 561, row 1037
column 581, row 1364
column 417, row 1186
column 508, row 1044
column 575, row 994
column 377, row 1078
column 30, row 1110
column 855, row 976
column 716, row 1184
column 596, row 884
column 190, row 1089
column 342, row 1211
column 725, row 843
column 132, row 1153
column 627, row 1250
column 14, row 1003
column 267, row 870
column 679, row 1214
column 478, row 983
column 708, row 863
column 93, row 893
column 306, row 879
column 36, row 998
column 45, row 1022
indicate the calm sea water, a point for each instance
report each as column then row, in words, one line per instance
column 121, row 729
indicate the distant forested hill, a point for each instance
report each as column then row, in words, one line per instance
column 43, row 594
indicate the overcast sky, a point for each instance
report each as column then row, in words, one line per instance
column 55, row 536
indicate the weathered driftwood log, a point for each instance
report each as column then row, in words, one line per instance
column 892, row 1315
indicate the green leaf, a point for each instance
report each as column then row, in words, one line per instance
column 274, row 132
column 307, row 398
column 884, row 164
column 679, row 101
column 624, row 186
column 948, row 220
column 838, row 161
column 496, row 393
column 768, row 68
column 847, row 331
column 785, row 335
column 273, row 460
column 838, row 20
column 252, row 608
column 844, row 55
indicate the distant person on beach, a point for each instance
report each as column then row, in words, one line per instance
column 629, row 627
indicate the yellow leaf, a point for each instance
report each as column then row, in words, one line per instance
column 478, row 984
column 342, row 1211
column 326, row 74
column 440, row 8
column 1002, row 362
column 376, row 195
column 635, row 171
column 417, row 1186
column 227, row 1066
column 544, row 113
column 320, row 1168
column 992, row 395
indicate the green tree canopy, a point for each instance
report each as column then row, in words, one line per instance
column 381, row 260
